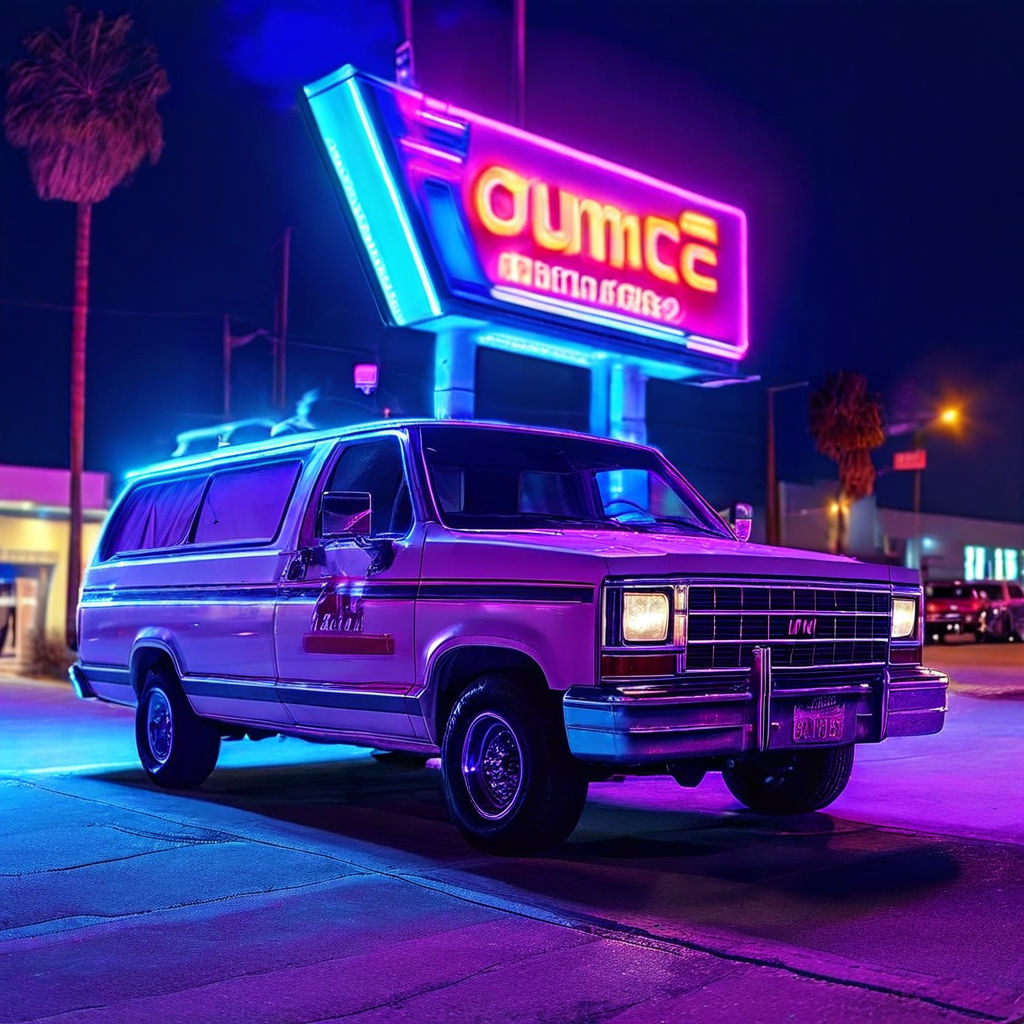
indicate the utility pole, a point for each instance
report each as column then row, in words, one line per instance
column 772, row 524
column 281, row 321
column 226, row 355
column 230, row 343
column 519, row 34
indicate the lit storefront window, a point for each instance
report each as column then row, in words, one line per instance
column 974, row 562
column 1005, row 563
column 1011, row 563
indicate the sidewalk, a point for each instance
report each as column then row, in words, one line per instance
column 980, row 670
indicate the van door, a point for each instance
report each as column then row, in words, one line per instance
column 345, row 611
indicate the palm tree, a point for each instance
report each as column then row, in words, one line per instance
column 846, row 423
column 84, row 106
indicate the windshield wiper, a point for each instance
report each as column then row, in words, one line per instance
column 685, row 524
column 550, row 519
column 589, row 523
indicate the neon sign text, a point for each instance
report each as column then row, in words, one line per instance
column 683, row 249
column 526, row 272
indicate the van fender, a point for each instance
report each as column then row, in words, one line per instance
column 433, row 694
column 453, row 641
column 153, row 637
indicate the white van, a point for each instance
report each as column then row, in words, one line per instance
column 540, row 608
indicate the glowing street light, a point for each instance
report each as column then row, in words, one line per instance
column 948, row 418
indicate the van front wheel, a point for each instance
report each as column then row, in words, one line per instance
column 511, row 784
column 791, row 782
column 177, row 748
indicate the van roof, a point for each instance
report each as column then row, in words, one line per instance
column 306, row 439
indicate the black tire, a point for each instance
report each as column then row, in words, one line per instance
column 532, row 794
column 177, row 748
column 791, row 782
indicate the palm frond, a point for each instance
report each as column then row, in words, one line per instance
column 846, row 423
column 84, row 107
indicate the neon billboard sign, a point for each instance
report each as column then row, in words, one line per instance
column 463, row 218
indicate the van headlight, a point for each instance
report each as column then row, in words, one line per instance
column 645, row 616
column 904, row 617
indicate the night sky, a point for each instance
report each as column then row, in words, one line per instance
column 874, row 146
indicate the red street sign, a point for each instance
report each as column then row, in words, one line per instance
column 916, row 458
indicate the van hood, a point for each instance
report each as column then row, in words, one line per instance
column 585, row 554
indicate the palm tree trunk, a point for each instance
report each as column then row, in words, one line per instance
column 840, row 524
column 79, row 311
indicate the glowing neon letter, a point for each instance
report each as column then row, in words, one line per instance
column 627, row 297
column 698, row 225
column 515, row 268
column 650, row 303
column 542, row 275
column 607, row 294
column 608, row 224
column 655, row 229
column 693, row 254
column 567, row 233
column 566, row 282
column 516, row 186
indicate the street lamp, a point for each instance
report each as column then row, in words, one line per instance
column 949, row 419
column 772, row 525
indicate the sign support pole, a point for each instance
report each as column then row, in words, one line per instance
column 627, row 403
column 599, row 395
column 454, row 374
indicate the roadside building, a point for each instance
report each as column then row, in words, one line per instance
column 951, row 547
column 34, row 551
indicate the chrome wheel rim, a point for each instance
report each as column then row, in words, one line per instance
column 159, row 726
column 492, row 766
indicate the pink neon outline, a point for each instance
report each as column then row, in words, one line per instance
column 597, row 161
column 737, row 351
column 429, row 115
column 422, row 147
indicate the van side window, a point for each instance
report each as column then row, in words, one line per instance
column 155, row 516
column 376, row 467
column 245, row 505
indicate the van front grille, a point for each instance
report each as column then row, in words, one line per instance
column 804, row 626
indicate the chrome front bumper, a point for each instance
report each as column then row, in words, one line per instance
column 744, row 713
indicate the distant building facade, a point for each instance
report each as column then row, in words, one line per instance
column 34, row 551
column 944, row 547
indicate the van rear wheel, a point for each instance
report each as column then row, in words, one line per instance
column 177, row 748
column 511, row 785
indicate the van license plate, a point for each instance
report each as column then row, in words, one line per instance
column 819, row 724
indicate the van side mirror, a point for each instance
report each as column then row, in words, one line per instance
column 742, row 519
column 344, row 514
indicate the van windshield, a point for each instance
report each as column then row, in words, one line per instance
column 490, row 479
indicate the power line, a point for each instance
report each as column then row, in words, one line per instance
column 63, row 308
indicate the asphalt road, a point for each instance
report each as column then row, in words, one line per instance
column 308, row 883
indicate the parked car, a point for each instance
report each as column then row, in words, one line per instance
column 988, row 609
column 1003, row 615
column 539, row 608
column 952, row 609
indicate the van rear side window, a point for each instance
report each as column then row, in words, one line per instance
column 155, row 516
column 245, row 505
